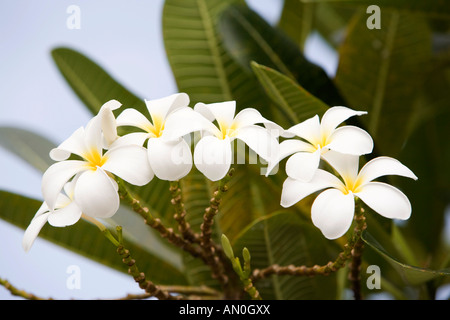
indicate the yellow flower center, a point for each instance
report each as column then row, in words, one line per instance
column 351, row 185
column 94, row 159
column 156, row 129
column 226, row 130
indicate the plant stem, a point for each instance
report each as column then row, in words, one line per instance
column 149, row 287
column 180, row 213
column 250, row 289
column 17, row 292
column 214, row 258
column 355, row 265
column 156, row 224
column 332, row 266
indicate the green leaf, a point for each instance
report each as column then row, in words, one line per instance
column 199, row 62
column 27, row 145
column 248, row 37
column 297, row 20
column 411, row 274
column 283, row 238
column 92, row 84
column 382, row 71
column 294, row 101
column 85, row 239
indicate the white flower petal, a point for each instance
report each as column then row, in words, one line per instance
column 56, row 176
column 134, row 138
column 382, row 166
column 351, row 140
column 129, row 162
column 303, row 165
column 335, row 116
column 66, row 216
column 250, row 116
column 223, row 112
column 386, row 200
column 160, row 108
column 294, row 190
column 332, row 212
column 109, row 125
column 132, row 117
column 73, row 144
column 259, row 140
column 212, row 157
column 96, row 194
column 308, row 130
column 286, row 148
column 34, row 228
column 185, row 121
column 93, row 138
column 345, row 164
column 170, row 160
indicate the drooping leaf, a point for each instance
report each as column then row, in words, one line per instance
column 282, row 238
column 382, row 70
column 412, row 275
column 92, row 84
column 85, row 239
column 29, row 146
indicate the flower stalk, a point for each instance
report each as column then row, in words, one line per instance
column 180, row 213
column 207, row 244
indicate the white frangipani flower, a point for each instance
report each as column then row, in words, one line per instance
column 319, row 137
column 65, row 213
column 333, row 209
column 169, row 159
column 213, row 152
column 95, row 190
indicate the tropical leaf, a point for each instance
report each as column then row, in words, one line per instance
column 283, row 238
column 297, row 20
column 29, row 146
column 248, row 37
column 201, row 66
column 295, row 102
column 85, row 239
column 411, row 274
column 92, row 84
column 378, row 73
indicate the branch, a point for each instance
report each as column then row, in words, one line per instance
column 332, row 266
column 208, row 246
column 180, row 213
column 156, row 224
column 20, row 293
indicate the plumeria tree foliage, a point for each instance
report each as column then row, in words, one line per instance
column 263, row 177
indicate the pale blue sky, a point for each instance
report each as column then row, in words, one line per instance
column 125, row 38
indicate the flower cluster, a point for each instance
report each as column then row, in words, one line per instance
column 333, row 209
column 82, row 181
